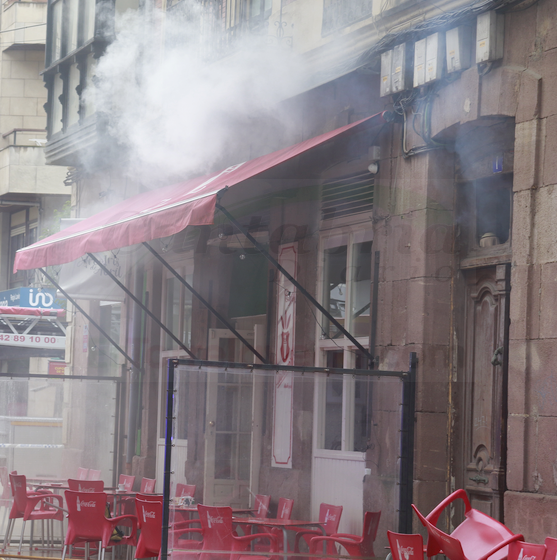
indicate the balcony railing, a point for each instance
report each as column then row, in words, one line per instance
column 339, row 13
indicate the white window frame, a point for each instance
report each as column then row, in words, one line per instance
column 349, row 237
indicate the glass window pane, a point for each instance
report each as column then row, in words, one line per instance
column 333, row 403
column 88, row 20
column 361, row 287
column 362, row 413
column 244, row 456
column 245, row 408
column 334, row 285
column 188, row 298
column 172, row 322
column 225, row 453
column 56, row 37
column 255, row 8
column 71, row 11
column 227, row 410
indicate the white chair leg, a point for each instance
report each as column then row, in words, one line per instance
column 64, row 552
column 21, row 538
column 7, row 536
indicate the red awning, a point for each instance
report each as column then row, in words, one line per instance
column 158, row 213
column 32, row 312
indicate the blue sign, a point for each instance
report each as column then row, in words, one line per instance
column 43, row 298
column 498, row 164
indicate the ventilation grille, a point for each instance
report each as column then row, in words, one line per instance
column 347, row 196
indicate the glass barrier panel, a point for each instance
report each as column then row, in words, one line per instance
column 286, row 454
column 52, row 430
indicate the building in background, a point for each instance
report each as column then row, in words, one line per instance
column 428, row 228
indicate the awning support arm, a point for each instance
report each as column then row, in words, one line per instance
column 140, row 303
column 205, row 303
column 90, row 319
column 304, row 292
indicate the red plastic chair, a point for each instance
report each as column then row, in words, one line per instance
column 32, row 506
column 82, row 473
column 551, row 548
column 406, row 547
column 94, row 475
column 478, row 537
column 147, row 485
column 261, row 506
column 87, row 522
column 356, row 546
column 521, row 549
column 127, row 480
column 329, row 516
column 85, row 485
column 284, row 511
column 219, row 540
column 183, row 490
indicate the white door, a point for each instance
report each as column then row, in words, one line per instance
column 232, row 424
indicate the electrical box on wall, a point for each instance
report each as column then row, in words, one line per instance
column 386, row 82
column 490, row 31
column 435, row 56
column 401, row 67
column 419, row 63
column 459, row 47
column 429, row 58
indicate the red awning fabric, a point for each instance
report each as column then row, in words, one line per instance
column 159, row 213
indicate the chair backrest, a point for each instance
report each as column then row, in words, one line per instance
column 149, row 517
column 284, row 509
column 531, row 551
column 440, row 541
column 18, row 483
column 406, row 547
column 127, row 480
column 216, row 524
column 551, row 546
column 82, row 473
column 147, row 485
column 85, row 485
column 183, row 490
column 261, row 506
column 330, row 517
column 86, row 512
column 94, row 475
column 369, row 533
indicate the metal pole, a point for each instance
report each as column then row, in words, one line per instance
column 140, row 303
column 275, row 263
column 167, row 456
column 91, row 320
column 205, row 303
column 407, row 447
column 374, row 300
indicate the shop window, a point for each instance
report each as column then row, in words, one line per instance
column 23, row 231
column 347, row 284
column 248, row 285
column 178, row 310
column 344, row 405
column 109, row 357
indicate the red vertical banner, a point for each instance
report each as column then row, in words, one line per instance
column 285, row 341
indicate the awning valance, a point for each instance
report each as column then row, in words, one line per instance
column 161, row 212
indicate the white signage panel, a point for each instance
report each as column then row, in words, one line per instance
column 285, row 328
column 33, row 341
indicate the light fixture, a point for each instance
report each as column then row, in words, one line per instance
column 373, row 168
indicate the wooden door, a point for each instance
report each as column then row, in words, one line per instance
column 485, row 387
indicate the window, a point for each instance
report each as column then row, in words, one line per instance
column 347, row 284
column 178, row 308
column 23, row 231
column 344, row 405
column 343, row 401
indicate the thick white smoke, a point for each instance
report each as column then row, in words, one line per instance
column 175, row 112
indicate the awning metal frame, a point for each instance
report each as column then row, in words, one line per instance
column 297, row 284
column 142, row 305
column 91, row 320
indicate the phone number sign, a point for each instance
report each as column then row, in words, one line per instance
column 32, row 340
